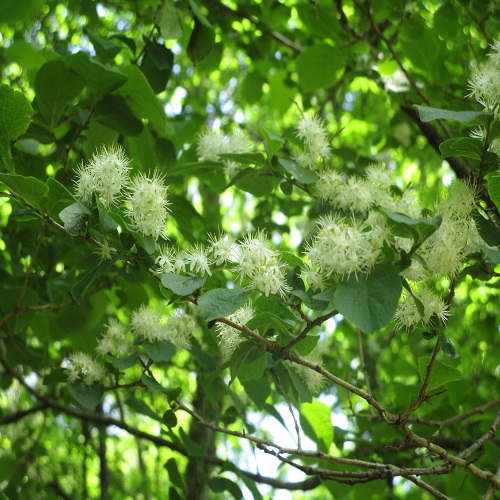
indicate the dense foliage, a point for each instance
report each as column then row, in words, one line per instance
column 237, row 235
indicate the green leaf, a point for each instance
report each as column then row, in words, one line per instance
column 406, row 227
column 56, row 86
column 107, row 223
column 15, row 117
column 201, row 41
column 309, row 299
column 124, row 363
column 272, row 142
column 489, row 233
column 105, row 49
column 248, row 363
column 255, row 181
column 167, row 21
column 159, row 351
column 58, row 195
column 320, row 66
column 74, row 218
column 151, row 383
column 493, row 181
column 301, row 174
column 80, row 289
column 169, row 419
column 428, row 114
column 315, row 419
column 220, row 484
column 447, row 346
column 141, row 98
column 441, row 373
column 193, row 450
column 264, row 322
column 114, row 112
column 370, row 301
column 245, row 158
column 258, row 390
column 199, row 14
column 30, row 189
column 221, row 302
column 141, row 407
column 469, row 147
column 307, row 345
column 183, row 285
column 492, row 254
column 87, row 396
column 100, row 79
column 157, row 64
column 56, row 376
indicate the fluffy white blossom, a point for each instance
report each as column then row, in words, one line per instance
column 198, row 259
column 82, row 366
column 148, row 204
column 313, row 380
column 314, row 135
column 147, row 324
column 179, row 329
column 222, row 248
column 260, row 263
column 115, row 339
column 106, row 174
column 343, row 247
column 230, row 338
column 407, row 314
column 210, row 145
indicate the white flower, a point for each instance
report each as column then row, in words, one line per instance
column 222, row 248
column 179, row 329
column 83, row 366
column 147, row 323
column 258, row 262
column 85, row 184
column 313, row 380
column 313, row 133
column 230, row 338
column 114, row 340
column 110, row 169
column 210, row 145
column 342, row 247
column 148, row 204
column 407, row 314
column 198, row 260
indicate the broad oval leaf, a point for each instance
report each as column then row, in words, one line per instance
column 182, row 285
column 370, row 301
column 221, row 302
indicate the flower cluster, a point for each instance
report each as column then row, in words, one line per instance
column 107, row 176
column 213, row 143
column 82, row 366
column 146, row 325
column 484, row 84
column 254, row 261
column 229, row 337
column 313, row 380
column 311, row 130
column 342, row 247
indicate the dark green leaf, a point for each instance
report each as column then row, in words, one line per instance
column 428, row 114
column 74, row 218
column 272, row 142
column 441, row 373
column 114, row 112
column 56, row 87
column 182, row 285
column 169, row 418
column 469, row 147
column 258, row 390
column 406, row 227
column 100, row 79
column 320, row 66
column 493, row 181
column 30, row 189
column 124, row 363
column 173, row 471
column 370, row 301
column 489, row 233
column 105, row 49
column 245, row 158
column 201, row 41
column 80, row 289
column 306, row 346
column 157, row 64
column 141, row 407
column 159, row 351
column 167, row 20
column 192, row 448
column 221, row 302
column 87, row 396
column 447, row 346
column 303, row 175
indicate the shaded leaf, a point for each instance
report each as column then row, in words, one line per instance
column 441, row 373
column 221, row 302
column 182, row 285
